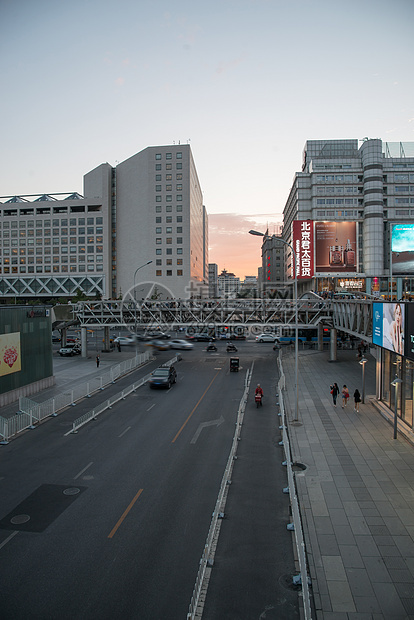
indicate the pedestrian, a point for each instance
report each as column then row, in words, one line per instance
column 97, row 361
column 334, row 392
column 119, row 346
column 357, row 399
column 345, row 396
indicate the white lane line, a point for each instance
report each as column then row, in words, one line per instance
column 125, row 431
column 83, row 470
column 8, row 538
column 149, row 409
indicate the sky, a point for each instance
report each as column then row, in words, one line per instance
column 244, row 82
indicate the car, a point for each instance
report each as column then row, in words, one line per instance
column 180, row 344
column 203, row 337
column 164, row 376
column 161, row 345
column 69, row 350
column 124, row 340
column 55, row 339
column 266, row 338
column 158, row 335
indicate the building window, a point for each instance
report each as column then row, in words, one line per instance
column 158, row 262
column 179, row 261
column 168, row 188
column 179, row 218
column 168, row 230
column 179, row 166
column 158, row 220
column 168, row 208
column 168, row 156
column 157, row 166
column 168, row 177
column 158, row 230
column 169, row 251
column 169, row 240
column 158, row 272
column 158, row 240
column 158, row 252
column 169, row 272
column 158, row 188
column 169, row 261
column 168, row 198
column 168, row 166
column 179, row 250
column 179, row 187
column 179, row 229
column 179, row 155
column 179, row 208
column 158, row 198
column 179, row 198
column 179, row 176
column 158, row 156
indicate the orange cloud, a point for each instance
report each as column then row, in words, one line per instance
column 231, row 246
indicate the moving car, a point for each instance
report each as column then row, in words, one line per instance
column 161, row 345
column 266, row 338
column 124, row 340
column 69, row 350
column 164, row 376
column 176, row 343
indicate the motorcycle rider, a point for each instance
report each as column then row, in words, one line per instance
column 258, row 393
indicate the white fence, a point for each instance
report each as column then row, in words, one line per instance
column 302, row 578
column 31, row 413
column 207, row 557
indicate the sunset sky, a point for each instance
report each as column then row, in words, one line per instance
column 244, row 82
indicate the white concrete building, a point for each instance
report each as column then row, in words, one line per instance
column 142, row 222
column 352, row 196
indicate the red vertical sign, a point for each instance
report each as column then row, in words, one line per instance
column 302, row 234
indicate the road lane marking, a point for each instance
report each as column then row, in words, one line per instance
column 149, row 408
column 120, row 520
column 205, row 425
column 125, row 431
column 12, row 535
column 201, row 398
column 83, row 470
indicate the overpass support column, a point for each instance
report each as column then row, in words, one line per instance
column 84, row 342
column 106, row 342
column 63, row 337
column 333, row 345
column 320, row 337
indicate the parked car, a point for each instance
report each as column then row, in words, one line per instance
column 164, row 376
column 266, row 338
column 180, row 344
column 124, row 340
column 69, row 350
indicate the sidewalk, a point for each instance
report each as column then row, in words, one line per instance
column 70, row 371
column 356, row 494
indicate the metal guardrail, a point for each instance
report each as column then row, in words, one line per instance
column 93, row 414
column 207, row 558
column 301, row 579
column 31, row 412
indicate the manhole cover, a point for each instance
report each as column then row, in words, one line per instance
column 19, row 519
column 71, row 491
column 298, row 467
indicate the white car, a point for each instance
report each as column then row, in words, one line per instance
column 124, row 340
column 181, row 344
column 266, row 338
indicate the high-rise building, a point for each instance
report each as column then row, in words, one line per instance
column 341, row 215
column 141, row 224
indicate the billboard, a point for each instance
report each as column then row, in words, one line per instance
column 10, row 356
column 402, row 249
column 335, row 247
column 302, row 235
column 409, row 331
column 388, row 325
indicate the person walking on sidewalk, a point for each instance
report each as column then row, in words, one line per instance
column 334, row 392
column 97, row 361
column 357, row 399
column 345, row 396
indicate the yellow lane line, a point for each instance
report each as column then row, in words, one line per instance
column 201, row 398
column 125, row 514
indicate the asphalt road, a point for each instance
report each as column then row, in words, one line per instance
column 111, row 522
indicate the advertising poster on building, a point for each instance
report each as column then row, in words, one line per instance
column 10, row 358
column 335, row 247
column 388, row 324
column 302, row 235
column 409, row 331
column 402, row 249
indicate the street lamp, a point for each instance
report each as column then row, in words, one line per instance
column 363, row 362
column 259, row 234
column 136, row 271
column 395, row 383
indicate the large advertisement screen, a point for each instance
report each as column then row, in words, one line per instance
column 402, row 249
column 388, row 325
column 409, row 331
column 302, row 234
column 10, row 357
column 335, row 247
